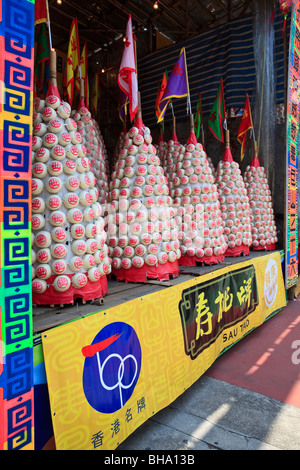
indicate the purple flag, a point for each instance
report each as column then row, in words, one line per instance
column 178, row 85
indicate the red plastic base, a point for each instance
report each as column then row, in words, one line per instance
column 92, row 290
column 186, row 260
column 271, row 247
column 161, row 272
column 242, row 250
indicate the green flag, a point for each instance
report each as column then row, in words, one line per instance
column 217, row 115
column 198, row 117
column 42, row 55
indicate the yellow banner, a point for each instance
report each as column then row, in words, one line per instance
column 109, row 372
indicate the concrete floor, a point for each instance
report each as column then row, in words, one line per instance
column 248, row 400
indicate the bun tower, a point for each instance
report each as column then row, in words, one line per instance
column 197, row 206
column 264, row 231
column 141, row 228
column 67, row 227
column 234, row 204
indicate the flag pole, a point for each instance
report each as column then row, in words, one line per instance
column 53, row 78
column 48, row 24
column 225, row 119
column 192, row 126
column 253, row 133
column 52, row 87
column 188, row 87
column 171, row 103
column 189, row 103
column 172, row 108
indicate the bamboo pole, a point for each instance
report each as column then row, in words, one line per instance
column 53, row 73
column 227, row 139
column 255, row 148
column 82, row 90
column 192, row 127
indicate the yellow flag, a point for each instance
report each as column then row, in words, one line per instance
column 73, row 59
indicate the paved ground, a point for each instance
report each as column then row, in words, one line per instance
column 248, row 400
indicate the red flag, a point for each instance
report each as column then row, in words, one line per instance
column 41, row 11
column 127, row 78
column 245, row 126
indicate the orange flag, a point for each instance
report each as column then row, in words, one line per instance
column 160, row 92
column 73, row 59
column 245, row 126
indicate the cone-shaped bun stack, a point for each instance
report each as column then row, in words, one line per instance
column 161, row 149
column 141, row 227
column 67, row 226
column 173, row 150
column 213, row 170
column 172, row 156
column 197, row 206
column 95, row 149
column 118, row 148
column 264, row 231
column 234, row 205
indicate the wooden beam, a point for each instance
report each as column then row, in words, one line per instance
column 203, row 10
column 88, row 13
column 165, row 13
column 229, row 10
column 187, row 26
column 235, row 12
column 220, row 5
column 121, row 7
column 150, row 36
column 245, row 7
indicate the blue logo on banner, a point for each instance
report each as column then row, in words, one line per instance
column 112, row 367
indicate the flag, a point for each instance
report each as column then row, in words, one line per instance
column 94, row 95
column 42, row 59
column 73, row 59
column 123, row 107
column 41, row 12
column 218, row 115
column 127, row 78
column 177, row 86
column 160, row 92
column 245, row 126
column 198, row 117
